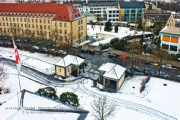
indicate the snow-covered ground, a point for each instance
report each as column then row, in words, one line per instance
column 157, row 96
column 160, row 99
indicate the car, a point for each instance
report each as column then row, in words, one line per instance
column 44, row 50
column 147, row 62
column 61, row 52
column 83, row 64
column 128, row 73
column 112, row 55
column 92, row 52
column 136, row 68
column 177, row 78
column 162, row 74
column 84, row 50
column 147, row 71
column 81, row 56
column 155, row 64
column 36, row 48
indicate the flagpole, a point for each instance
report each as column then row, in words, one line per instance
column 19, row 83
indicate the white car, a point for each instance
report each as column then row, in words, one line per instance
column 168, row 67
column 62, row 52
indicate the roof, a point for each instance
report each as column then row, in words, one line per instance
column 70, row 59
column 63, row 12
column 132, row 4
column 27, row 106
column 171, row 30
column 112, row 70
column 88, row 14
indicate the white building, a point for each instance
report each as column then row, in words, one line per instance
column 113, row 14
column 170, row 39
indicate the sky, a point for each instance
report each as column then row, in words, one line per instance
column 159, row 100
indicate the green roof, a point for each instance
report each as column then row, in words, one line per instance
column 88, row 14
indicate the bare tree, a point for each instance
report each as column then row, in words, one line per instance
column 103, row 108
column 3, row 72
column 162, row 56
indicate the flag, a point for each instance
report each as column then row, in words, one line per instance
column 18, row 61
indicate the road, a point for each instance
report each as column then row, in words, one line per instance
column 101, row 57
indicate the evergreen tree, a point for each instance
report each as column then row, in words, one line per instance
column 47, row 92
column 116, row 28
column 108, row 26
column 69, row 98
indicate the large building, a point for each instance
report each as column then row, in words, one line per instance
column 170, row 39
column 60, row 22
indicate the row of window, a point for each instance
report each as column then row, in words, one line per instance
column 170, row 47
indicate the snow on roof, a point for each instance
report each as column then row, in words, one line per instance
column 112, row 70
column 34, row 106
column 70, row 59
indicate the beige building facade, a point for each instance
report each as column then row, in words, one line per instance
column 60, row 22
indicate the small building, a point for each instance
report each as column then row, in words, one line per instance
column 69, row 65
column 170, row 39
column 111, row 76
column 90, row 17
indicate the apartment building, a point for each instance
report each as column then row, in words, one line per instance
column 170, row 39
column 60, row 22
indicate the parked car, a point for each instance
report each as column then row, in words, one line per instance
column 92, row 52
column 61, row 52
column 168, row 67
column 83, row 65
column 44, row 50
column 155, row 64
column 136, row 68
column 128, row 73
column 81, row 56
column 147, row 62
column 84, row 50
column 36, row 48
column 112, row 56
column 147, row 71
column 177, row 78
column 162, row 74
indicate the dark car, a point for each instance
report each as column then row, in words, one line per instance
column 81, row 56
column 44, row 50
column 136, row 68
column 128, row 73
column 1, row 44
column 83, row 65
column 84, row 50
column 112, row 56
column 147, row 71
column 92, row 52
column 162, row 74
column 147, row 62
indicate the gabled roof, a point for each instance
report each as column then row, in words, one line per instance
column 30, row 106
column 70, row 59
column 64, row 12
column 112, row 70
column 132, row 4
column 171, row 30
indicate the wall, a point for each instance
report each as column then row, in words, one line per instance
column 60, row 71
column 120, row 82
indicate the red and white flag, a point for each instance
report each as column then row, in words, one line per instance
column 18, row 61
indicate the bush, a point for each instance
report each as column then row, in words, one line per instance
column 69, row 98
column 47, row 92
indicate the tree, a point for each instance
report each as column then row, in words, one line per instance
column 116, row 28
column 103, row 108
column 47, row 92
column 3, row 72
column 69, row 98
column 133, row 49
column 108, row 26
column 162, row 56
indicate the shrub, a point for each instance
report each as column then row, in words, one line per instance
column 47, row 92
column 69, row 98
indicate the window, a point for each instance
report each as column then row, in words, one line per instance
column 48, row 21
column 65, row 31
column 7, row 24
column 40, row 20
column 32, row 20
column 65, row 25
column 78, row 22
column 173, row 48
column 60, row 31
column 24, row 19
column 28, row 20
column 21, row 25
column 60, row 24
column 29, row 26
column 164, row 46
column 36, row 20
column 32, row 25
column 166, row 38
column 10, row 19
column 6, row 19
column 81, row 21
column 59, row 69
column 20, row 19
column 49, row 27
column 55, row 23
column 25, row 25
column 44, row 26
column 174, row 39
column 36, row 26
column 81, row 27
column 13, row 19
column 40, row 26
